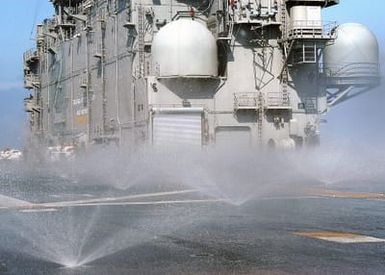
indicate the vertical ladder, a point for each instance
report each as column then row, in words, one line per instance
column 284, row 74
column 141, row 34
column 283, row 20
column 260, row 117
column 284, row 83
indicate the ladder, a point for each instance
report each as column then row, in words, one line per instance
column 260, row 117
column 141, row 34
column 284, row 84
column 286, row 49
column 283, row 20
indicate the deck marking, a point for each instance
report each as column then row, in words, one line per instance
column 117, row 203
column 124, row 200
column 11, row 202
column 345, row 194
column 71, row 195
column 114, row 199
column 339, row 237
column 37, row 210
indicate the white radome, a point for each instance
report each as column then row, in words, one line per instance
column 353, row 53
column 185, row 48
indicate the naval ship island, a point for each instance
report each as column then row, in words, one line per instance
column 132, row 72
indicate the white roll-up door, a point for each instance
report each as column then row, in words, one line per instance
column 177, row 128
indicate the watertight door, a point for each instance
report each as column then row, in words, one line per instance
column 177, row 129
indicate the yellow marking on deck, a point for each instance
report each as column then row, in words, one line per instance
column 344, row 194
column 339, row 237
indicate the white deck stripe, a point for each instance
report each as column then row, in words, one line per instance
column 53, row 207
column 358, row 239
column 38, row 210
column 112, row 199
column 139, row 203
column 340, row 237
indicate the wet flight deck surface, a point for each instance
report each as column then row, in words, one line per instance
column 87, row 229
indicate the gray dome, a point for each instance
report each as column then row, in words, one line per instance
column 354, row 53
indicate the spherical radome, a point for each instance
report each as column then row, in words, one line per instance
column 184, row 48
column 353, row 53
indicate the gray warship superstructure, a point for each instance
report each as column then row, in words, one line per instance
column 258, row 72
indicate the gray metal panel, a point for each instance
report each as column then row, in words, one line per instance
column 233, row 136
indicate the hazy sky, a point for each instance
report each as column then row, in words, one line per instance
column 360, row 121
column 358, row 118
column 17, row 22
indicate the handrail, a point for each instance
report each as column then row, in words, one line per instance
column 276, row 99
column 30, row 54
column 311, row 27
column 247, row 99
column 250, row 99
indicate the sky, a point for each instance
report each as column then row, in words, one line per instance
column 359, row 118
column 17, row 27
column 359, row 121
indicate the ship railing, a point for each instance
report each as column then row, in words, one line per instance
column 32, row 77
column 277, row 100
column 311, row 29
column 30, row 105
column 30, row 55
column 247, row 100
column 31, row 81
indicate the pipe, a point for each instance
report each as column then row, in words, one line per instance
column 103, row 76
column 49, row 109
column 88, row 93
column 72, row 92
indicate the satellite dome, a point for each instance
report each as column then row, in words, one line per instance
column 185, row 48
column 354, row 52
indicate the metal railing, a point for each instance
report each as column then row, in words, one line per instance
column 31, row 81
column 245, row 101
column 276, row 99
column 311, row 29
column 30, row 55
column 31, row 105
column 251, row 100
